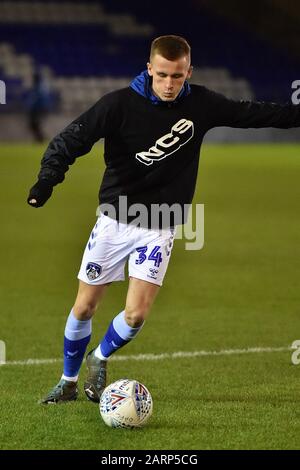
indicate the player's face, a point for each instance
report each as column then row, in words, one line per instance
column 168, row 76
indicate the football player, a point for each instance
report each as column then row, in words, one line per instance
column 153, row 132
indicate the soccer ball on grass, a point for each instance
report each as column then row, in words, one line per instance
column 126, row 404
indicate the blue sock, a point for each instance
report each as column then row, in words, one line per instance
column 118, row 334
column 77, row 337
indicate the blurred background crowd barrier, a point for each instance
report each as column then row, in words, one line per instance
column 57, row 58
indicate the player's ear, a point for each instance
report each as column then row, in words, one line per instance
column 149, row 67
column 190, row 72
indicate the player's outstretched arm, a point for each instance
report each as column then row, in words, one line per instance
column 250, row 114
column 74, row 141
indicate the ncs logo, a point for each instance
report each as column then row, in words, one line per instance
column 169, row 143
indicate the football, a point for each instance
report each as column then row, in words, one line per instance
column 126, row 404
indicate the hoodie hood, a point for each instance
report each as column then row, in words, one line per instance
column 142, row 84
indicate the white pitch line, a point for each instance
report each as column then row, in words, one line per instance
column 159, row 357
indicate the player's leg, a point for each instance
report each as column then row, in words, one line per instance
column 123, row 328
column 76, row 338
column 140, row 298
column 79, row 327
column 148, row 262
column 102, row 263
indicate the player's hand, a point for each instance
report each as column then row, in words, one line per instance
column 39, row 193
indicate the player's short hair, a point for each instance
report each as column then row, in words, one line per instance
column 171, row 47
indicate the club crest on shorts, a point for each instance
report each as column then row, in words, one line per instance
column 93, row 270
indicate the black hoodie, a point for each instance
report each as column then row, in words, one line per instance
column 152, row 151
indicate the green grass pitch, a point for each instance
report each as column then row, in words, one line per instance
column 240, row 291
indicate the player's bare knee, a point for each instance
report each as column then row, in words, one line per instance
column 135, row 316
column 84, row 310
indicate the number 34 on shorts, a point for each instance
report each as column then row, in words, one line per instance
column 151, row 261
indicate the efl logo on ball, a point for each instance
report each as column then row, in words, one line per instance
column 126, row 404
